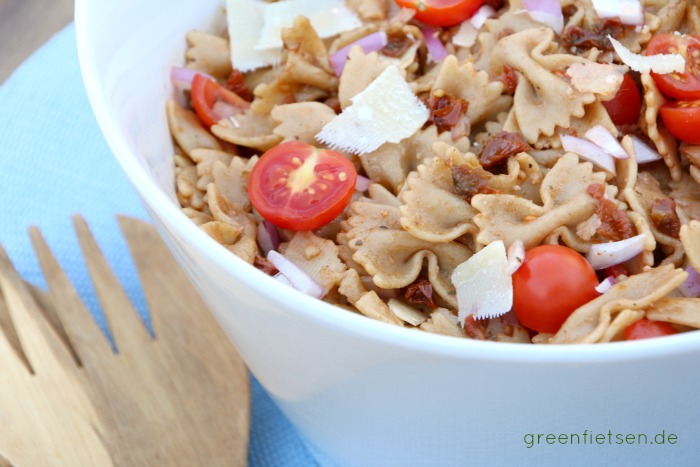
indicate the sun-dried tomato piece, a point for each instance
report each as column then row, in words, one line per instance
column 500, row 147
column 614, row 223
column 420, row 293
column 663, row 215
column 396, row 45
column 265, row 265
column 474, row 329
column 445, row 110
column 469, row 182
column 510, row 78
column 235, row 83
column 495, row 4
column 575, row 36
column 596, row 191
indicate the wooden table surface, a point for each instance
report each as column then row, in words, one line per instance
column 27, row 24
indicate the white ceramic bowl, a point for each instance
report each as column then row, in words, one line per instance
column 362, row 392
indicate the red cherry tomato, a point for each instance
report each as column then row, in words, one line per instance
column 685, row 85
column 645, row 328
column 552, row 282
column 213, row 102
column 625, row 107
column 299, row 187
column 682, row 118
column 442, row 12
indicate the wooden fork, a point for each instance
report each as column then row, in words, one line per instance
column 45, row 413
column 182, row 398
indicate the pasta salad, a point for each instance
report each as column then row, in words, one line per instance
column 523, row 171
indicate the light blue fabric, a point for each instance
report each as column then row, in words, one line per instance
column 55, row 163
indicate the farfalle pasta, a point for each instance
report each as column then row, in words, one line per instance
column 532, row 131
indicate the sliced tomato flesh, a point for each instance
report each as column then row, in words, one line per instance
column 213, row 102
column 625, row 107
column 300, row 187
column 682, row 118
column 646, row 329
column 684, row 85
column 442, row 12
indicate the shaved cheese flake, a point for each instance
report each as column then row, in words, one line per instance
column 466, row 35
column 627, row 11
column 661, row 63
column 328, row 18
column 482, row 14
column 245, row 20
column 598, row 78
column 386, row 111
column 484, row 287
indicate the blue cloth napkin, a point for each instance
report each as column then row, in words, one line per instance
column 55, row 163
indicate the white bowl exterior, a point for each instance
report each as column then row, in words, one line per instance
column 365, row 393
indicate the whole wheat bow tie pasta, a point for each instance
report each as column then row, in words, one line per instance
column 507, row 175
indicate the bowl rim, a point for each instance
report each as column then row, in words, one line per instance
column 324, row 313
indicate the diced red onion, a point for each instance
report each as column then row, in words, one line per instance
column 588, row 151
column 604, row 255
column 629, row 12
column 547, row 12
column 516, row 256
column 268, row 236
column 605, row 285
column 298, row 278
column 602, row 137
column 281, row 278
column 436, row 49
column 691, row 286
column 482, row 14
column 643, row 152
column 183, row 76
column 370, row 43
column 362, row 183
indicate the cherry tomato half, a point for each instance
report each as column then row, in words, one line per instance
column 552, row 282
column 300, row 187
column 682, row 118
column 646, row 328
column 442, row 12
column 625, row 107
column 685, row 85
column 213, row 102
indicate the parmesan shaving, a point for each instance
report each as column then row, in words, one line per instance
column 484, row 287
column 466, row 35
column 598, row 78
column 660, row 63
column 328, row 18
column 387, row 111
column 627, row 11
column 245, row 20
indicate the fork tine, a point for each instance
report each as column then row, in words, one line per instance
column 41, row 346
column 125, row 325
column 8, row 329
column 161, row 277
column 48, row 308
column 86, row 338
